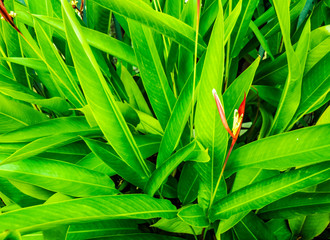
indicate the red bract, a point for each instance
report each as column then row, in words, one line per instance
column 238, row 116
column 222, row 112
column 198, row 9
column 238, row 120
column 4, row 13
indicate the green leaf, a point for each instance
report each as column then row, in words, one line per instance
column 101, row 229
column 164, row 170
column 15, row 195
column 315, row 88
column 243, row 178
column 59, row 71
column 149, row 124
column 261, row 38
column 10, row 235
column 314, row 225
column 98, row 94
column 234, row 95
column 231, row 21
column 153, row 75
column 188, row 184
column 252, row 227
column 12, row 40
column 280, row 228
column 275, row 71
column 98, row 40
column 270, row 94
column 265, row 192
column 14, row 114
column 43, row 7
column 113, row 227
column 325, row 117
column 194, row 216
column 209, row 129
column 283, row 151
column 28, row 62
column 42, row 144
column 297, row 204
column 136, row 98
column 176, row 225
column 210, row 14
column 291, row 93
column 267, row 119
column 122, row 167
column 19, row 92
column 142, row 13
column 143, row 236
column 92, row 162
column 179, row 116
column 242, row 24
column 32, row 190
column 320, row 40
column 98, row 18
column 59, row 177
column 46, row 128
column 136, row 206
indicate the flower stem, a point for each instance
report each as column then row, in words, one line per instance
column 222, row 171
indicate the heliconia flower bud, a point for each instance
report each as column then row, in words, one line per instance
column 222, row 112
column 238, row 120
column 238, row 116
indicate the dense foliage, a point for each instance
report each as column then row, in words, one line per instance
column 116, row 119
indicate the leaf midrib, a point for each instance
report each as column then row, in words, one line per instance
column 269, row 193
column 282, row 156
column 52, row 177
column 104, row 217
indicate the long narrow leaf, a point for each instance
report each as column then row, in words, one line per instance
column 284, row 150
column 153, row 75
column 163, row 23
column 163, row 171
column 262, row 193
column 298, row 204
column 136, row 206
column 59, row 177
column 98, row 94
column 291, row 93
column 209, row 130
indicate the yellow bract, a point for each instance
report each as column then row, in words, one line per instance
column 237, row 122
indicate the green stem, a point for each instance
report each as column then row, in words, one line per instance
column 194, row 79
column 222, row 170
column 228, row 60
column 194, row 233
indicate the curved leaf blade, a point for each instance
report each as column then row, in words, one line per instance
column 98, row 40
column 283, row 151
column 298, row 204
column 265, row 192
column 136, row 206
column 153, row 75
column 163, row 171
column 163, row 23
column 209, row 129
column 194, row 216
column 98, row 94
column 59, row 176
column 46, row 128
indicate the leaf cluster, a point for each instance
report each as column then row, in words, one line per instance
column 109, row 129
